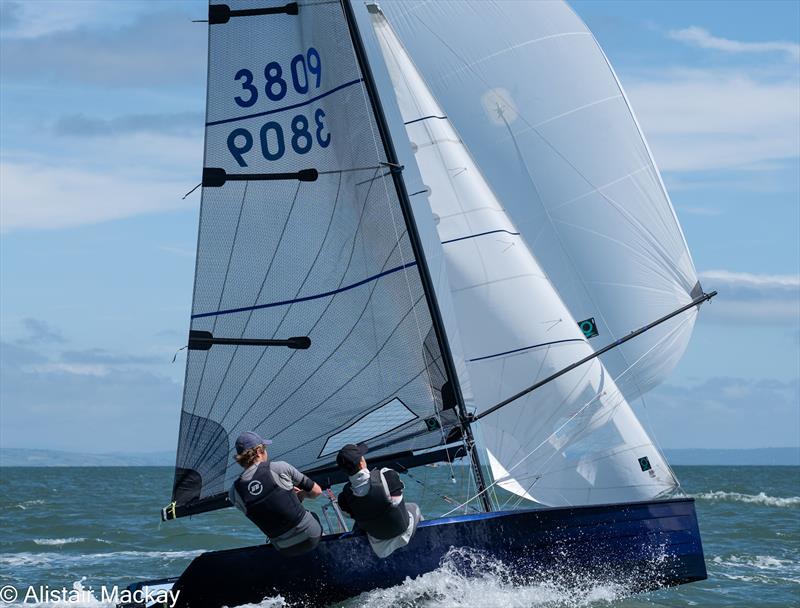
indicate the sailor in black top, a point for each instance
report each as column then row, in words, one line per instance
column 270, row 493
column 374, row 499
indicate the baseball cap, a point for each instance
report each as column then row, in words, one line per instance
column 349, row 457
column 249, row 439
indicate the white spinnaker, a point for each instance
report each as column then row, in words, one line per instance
column 536, row 101
column 516, row 330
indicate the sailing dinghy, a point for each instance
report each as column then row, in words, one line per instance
column 342, row 295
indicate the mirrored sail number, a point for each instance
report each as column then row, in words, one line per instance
column 305, row 71
column 301, row 135
column 302, row 68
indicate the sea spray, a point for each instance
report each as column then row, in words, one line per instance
column 468, row 578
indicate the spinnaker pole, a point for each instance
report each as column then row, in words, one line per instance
column 416, row 245
column 696, row 302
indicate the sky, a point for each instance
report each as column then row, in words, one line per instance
column 101, row 134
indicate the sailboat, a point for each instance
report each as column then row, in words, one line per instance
column 435, row 228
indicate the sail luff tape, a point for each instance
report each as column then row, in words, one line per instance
column 215, row 177
column 222, row 13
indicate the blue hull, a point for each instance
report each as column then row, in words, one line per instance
column 643, row 545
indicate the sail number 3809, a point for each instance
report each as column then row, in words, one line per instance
column 302, row 131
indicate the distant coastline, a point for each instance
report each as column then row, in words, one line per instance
column 12, row 457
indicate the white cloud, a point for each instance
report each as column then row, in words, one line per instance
column 99, row 179
column 78, row 369
column 746, row 279
column 700, row 37
column 108, row 406
column 703, row 211
column 752, row 298
column 726, row 413
column 183, row 252
column 34, row 196
column 154, row 48
column 699, row 120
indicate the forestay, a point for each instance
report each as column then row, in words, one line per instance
column 575, row 440
column 324, row 253
column 532, row 94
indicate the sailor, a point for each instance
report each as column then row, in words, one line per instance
column 374, row 499
column 269, row 494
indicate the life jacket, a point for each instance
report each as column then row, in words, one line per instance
column 374, row 512
column 275, row 510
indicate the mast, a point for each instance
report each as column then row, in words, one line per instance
column 405, row 204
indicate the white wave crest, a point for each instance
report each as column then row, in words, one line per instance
column 759, row 499
column 56, row 558
column 760, row 562
column 58, row 542
column 29, row 503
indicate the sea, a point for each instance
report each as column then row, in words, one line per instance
column 89, row 529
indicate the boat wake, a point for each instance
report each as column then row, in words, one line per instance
column 758, row 499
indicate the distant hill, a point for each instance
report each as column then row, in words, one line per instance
column 759, row 456
column 10, row 457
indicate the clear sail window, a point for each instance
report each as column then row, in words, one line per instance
column 386, row 418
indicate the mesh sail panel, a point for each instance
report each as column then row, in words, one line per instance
column 329, row 259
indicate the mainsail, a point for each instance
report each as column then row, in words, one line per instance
column 303, row 233
column 538, row 104
column 575, row 440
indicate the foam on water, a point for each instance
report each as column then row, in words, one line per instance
column 58, row 542
column 72, row 540
column 29, row 503
column 55, row 558
column 760, row 562
column 757, row 569
column 759, row 499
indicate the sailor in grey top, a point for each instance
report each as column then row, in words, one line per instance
column 270, row 493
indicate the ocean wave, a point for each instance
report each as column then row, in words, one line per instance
column 53, row 558
column 29, row 503
column 58, row 542
column 760, row 562
column 759, row 499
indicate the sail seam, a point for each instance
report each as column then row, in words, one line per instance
column 294, row 106
column 306, row 298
